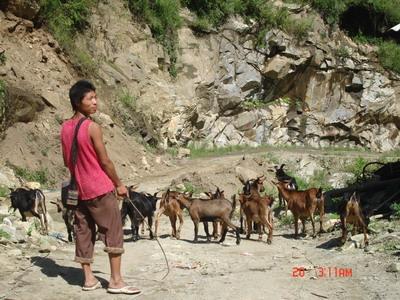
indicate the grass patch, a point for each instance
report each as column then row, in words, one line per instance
column 286, row 220
column 389, row 55
column 202, row 151
column 4, row 191
column 190, row 188
column 163, row 18
column 65, row 19
column 32, row 175
column 356, row 168
column 4, row 234
column 396, row 209
column 127, row 100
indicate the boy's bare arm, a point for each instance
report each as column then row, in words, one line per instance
column 96, row 136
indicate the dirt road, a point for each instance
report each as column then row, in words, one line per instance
column 252, row 270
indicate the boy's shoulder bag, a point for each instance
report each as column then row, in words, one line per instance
column 69, row 189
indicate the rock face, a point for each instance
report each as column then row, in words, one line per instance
column 228, row 90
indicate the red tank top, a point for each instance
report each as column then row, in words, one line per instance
column 92, row 181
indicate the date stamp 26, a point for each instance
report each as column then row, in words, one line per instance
column 324, row 272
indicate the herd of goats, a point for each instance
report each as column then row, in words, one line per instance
column 255, row 209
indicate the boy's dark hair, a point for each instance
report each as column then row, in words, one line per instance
column 78, row 90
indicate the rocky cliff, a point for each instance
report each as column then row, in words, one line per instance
column 320, row 90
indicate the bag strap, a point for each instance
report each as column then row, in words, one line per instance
column 74, row 147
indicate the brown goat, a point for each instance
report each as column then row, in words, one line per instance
column 209, row 211
column 257, row 209
column 171, row 207
column 303, row 205
column 216, row 224
column 351, row 214
column 251, row 187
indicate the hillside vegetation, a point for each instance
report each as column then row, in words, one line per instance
column 64, row 19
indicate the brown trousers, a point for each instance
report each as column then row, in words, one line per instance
column 104, row 212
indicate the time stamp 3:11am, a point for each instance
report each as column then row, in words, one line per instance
column 324, row 272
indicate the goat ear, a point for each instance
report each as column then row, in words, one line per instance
column 282, row 165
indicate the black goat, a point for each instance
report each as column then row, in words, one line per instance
column 30, row 201
column 145, row 206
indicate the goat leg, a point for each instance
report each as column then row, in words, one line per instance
column 159, row 213
column 150, row 221
column 224, row 230
column 215, row 230
column 296, row 226
column 178, row 234
column 303, row 223
column 205, row 224
column 313, row 224
column 249, row 227
column 172, row 219
column 364, row 228
column 196, row 230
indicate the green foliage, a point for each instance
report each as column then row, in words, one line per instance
column 4, row 191
column 252, row 104
column 4, row 234
column 389, row 55
column 191, row 188
column 286, row 220
column 356, row 167
column 128, row 100
column 331, row 10
column 196, row 151
column 163, row 18
column 29, row 175
column 342, row 52
column 65, row 19
column 396, row 209
column 3, row 58
column 319, row 180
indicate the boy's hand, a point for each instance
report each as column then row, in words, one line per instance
column 122, row 191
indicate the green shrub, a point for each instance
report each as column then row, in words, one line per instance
column 128, row 100
column 4, row 191
column 163, row 18
column 286, row 220
column 64, row 19
column 29, row 175
column 191, row 188
column 396, row 209
column 356, row 168
column 4, row 234
column 389, row 55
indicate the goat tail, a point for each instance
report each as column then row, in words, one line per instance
column 233, row 206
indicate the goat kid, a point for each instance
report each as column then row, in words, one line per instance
column 303, row 205
column 171, row 207
column 257, row 210
column 351, row 213
column 30, row 202
column 250, row 187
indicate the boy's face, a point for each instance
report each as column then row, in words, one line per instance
column 88, row 104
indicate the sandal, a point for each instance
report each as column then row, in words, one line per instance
column 128, row 290
column 93, row 287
